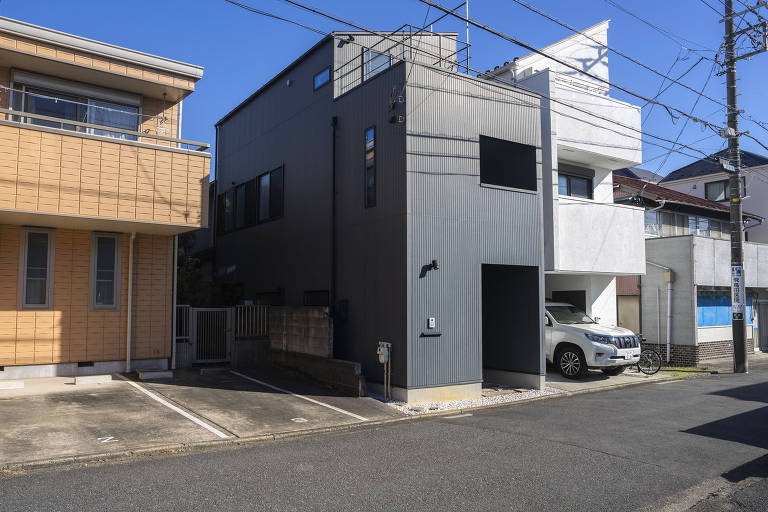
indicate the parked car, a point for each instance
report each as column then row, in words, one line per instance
column 576, row 343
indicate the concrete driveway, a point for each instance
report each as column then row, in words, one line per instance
column 53, row 418
column 597, row 380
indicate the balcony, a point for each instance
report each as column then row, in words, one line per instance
column 594, row 128
column 70, row 177
column 599, row 238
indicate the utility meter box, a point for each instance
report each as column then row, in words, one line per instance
column 383, row 351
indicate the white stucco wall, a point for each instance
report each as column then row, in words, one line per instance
column 600, row 238
column 712, row 263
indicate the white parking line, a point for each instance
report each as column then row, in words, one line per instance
column 257, row 381
column 174, row 408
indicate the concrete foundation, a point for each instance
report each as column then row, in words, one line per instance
column 517, row 379
column 433, row 394
column 339, row 374
column 73, row 370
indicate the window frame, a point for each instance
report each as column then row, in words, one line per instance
column 377, row 72
column 570, row 176
column 271, row 218
column 93, row 272
column 328, row 70
column 366, row 204
column 23, row 249
column 726, row 189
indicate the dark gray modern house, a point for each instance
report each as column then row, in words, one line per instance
column 372, row 177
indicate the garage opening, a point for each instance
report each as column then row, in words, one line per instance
column 512, row 325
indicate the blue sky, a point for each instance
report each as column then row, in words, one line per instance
column 240, row 51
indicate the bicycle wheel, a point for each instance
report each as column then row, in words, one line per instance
column 650, row 362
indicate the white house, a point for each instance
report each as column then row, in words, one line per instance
column 586, row 134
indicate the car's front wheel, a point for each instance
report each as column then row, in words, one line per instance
column 613, row 371
column 571, row 362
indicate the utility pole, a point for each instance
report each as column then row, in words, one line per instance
column 733, row 166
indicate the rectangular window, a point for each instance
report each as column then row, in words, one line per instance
column 316, row 298
column 229, row 210
column 53, row 103
column 36, row 269
column 703, row 228
column 239, row 206
column 652, row 223
column 719, row 190
column 105, row 271
column 507, row 164
column 271, row 195
column 322, row 78
column 574, row 186
column 374, row 63
column 370, row 167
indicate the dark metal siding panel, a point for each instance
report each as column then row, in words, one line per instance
column 372, row 241
column 454, row 219
column 290, row 126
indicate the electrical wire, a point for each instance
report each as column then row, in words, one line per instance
column 506, row 85
column 671, row 110
column 685, row 124
column 670, row 35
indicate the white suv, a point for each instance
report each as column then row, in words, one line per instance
column 576, row 343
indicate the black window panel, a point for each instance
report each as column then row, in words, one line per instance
column 251, row 202
column 239, row 207
column 316, row 298
column 369, row 176
column 229, row 210
column 276, row 194
column 507, row 164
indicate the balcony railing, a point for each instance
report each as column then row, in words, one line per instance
column 155, row 180
column 17, row 116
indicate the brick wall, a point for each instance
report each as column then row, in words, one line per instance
column 690, row 355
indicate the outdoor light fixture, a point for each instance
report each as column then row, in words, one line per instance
column 434, row 265
column 342, row 42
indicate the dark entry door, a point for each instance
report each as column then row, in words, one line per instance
column 512, row 320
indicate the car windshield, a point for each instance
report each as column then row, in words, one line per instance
column 569, row 315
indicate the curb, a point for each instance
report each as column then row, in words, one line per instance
column 176, row 448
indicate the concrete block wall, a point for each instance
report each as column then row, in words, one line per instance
column 303, row 330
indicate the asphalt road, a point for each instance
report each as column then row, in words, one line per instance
column 665, row 446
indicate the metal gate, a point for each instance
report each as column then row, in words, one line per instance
column 210, row 332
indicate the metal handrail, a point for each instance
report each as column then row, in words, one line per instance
column 201, row 146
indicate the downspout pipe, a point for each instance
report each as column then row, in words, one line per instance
column 175, row 289
column 669, row 277
column 129, row 335
column 334, row 252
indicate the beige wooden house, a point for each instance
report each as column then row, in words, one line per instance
column 95, row 181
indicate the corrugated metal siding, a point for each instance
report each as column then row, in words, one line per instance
column 454, row 219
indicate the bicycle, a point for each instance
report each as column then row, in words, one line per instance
column 649, row 362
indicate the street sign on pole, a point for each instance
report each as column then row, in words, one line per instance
column 737, row 292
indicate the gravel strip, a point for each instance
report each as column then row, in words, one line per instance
column 512, row 396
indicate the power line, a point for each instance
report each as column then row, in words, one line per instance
column 670, row 35
column 505, row 84
column 274, row 16
column 616, row 51
column 685, row 124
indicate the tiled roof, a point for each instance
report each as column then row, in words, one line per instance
column 624, row 186
column 703, row 167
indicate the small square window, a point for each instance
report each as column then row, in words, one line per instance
column 322, row 78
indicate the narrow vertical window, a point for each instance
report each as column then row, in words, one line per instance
column 105, row 271
column 270, row 194
column 37, row 263
column 370, row 167
column 264, row 197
